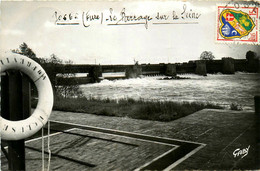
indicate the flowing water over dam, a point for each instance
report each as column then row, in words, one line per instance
column 218, row 88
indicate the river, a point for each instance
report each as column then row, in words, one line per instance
column 224, row 90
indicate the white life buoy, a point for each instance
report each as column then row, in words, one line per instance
column 17, row 130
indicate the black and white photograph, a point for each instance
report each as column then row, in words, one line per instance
column 129, row 85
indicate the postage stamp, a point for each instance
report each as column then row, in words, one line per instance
column 237, row 24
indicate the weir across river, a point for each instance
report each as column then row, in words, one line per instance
column 199, row 67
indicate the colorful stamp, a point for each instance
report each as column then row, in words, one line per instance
column 237, row 24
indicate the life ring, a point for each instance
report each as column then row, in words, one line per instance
column 17, row 130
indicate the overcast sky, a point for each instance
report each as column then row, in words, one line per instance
column 35, row 24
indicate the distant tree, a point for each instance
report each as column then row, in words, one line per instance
column 136, row 62
column 207, row 55
column 69, row 62
column 50, row 64
column 250, row 55
column 67, row 90
column 55, row 60
column 25, row 50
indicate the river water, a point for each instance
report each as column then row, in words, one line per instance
column 215, row 88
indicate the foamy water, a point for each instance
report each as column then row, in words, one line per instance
column 221, row 89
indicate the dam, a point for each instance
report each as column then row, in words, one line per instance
column 94, row 73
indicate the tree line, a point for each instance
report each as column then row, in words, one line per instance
column 208, row 55
column 49, row 65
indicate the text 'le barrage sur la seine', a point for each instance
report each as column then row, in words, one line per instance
column 111, row 18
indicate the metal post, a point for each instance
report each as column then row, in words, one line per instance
column 15, row 100
column 257, row 120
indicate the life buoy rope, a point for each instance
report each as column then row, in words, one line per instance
column 16, row 130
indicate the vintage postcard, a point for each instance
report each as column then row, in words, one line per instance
column 130, row 85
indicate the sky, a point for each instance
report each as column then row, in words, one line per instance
column 100, row 41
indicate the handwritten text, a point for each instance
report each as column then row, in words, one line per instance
column 185, row 15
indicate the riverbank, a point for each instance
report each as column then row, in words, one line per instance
column 137, row 109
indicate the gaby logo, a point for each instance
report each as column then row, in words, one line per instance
column 241, row 152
